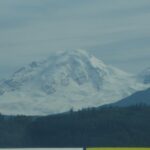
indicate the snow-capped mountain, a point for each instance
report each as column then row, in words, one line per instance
column 144, row 76
column 70, row 79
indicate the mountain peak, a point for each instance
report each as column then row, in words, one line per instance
column 70, row 53
column 73, row 56
column 74, row 52
column 77, row 52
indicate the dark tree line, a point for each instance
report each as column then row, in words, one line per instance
column 109, row 126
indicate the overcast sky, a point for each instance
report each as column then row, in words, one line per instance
column 116, row 31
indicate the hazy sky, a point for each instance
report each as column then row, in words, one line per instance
column 117, row 31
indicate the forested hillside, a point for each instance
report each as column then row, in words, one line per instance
column 111, row 126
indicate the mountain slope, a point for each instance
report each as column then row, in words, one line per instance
column 141, row 97
column 70, row 79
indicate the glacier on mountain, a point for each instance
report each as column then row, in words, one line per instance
column 69, row 79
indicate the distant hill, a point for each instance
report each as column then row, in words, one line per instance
column 141, row 97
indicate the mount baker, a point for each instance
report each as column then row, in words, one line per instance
column 65, row 80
